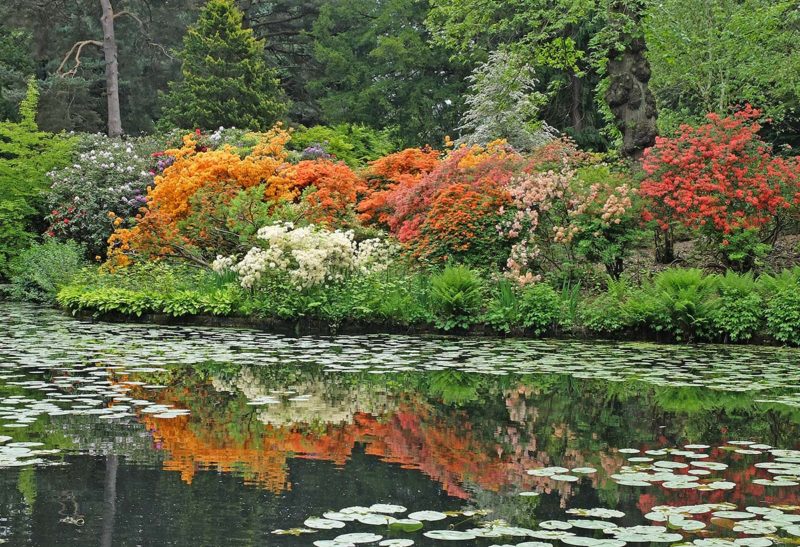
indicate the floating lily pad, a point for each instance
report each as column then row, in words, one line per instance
column 323, row 524
column 449, row 535
column 430, row 516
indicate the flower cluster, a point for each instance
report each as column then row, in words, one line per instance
column 719, row 178
column 375, row 255
column 308, row 256
column 107, row 175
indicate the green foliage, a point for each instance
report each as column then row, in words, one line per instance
column 16, row 66
column 608, row 313
column 226, row 81
column 539, row 308
column 456, row 296
column 378, row 67
column 41, row 270
column 782, row 296
column 354, row 144
column 740, row 313
column 502, row 313
column 729, row 52
column 26, row 156
column 685, row 303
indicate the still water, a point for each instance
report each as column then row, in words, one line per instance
column 131, row 435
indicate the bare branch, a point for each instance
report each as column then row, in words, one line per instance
column 143, row 30
column 75, row 52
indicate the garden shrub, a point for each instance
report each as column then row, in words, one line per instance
column 456, row 296
column 26, row 156
column 559, row 215
column 721, row 180
column 539, row 308
column 330, row 191
column 609, row 312
column 355, row 145
column 740, row 311
column 190, row 190
column 39, row 271
column 502, row 312
column 782, row 296
column 108, row 175
column 685, row 303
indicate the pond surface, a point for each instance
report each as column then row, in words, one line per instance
column 149, row 435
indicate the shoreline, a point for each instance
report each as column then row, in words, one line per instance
column 318, row 327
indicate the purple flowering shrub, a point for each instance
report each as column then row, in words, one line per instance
column 107, row 176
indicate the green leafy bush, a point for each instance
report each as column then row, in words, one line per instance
column 685, row 303
column 539, row 308
column 740, row 311
column 456, row 297
column 356, row 145
column 610, row 312
column 782, row 296
column 41, row 270
column 503, row 308
column 26, row 156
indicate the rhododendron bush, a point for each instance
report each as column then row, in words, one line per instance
column 444, row 209
column 305, row 257
column 107, row 175
column 723, row 181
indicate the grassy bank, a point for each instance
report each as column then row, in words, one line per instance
column 674, row 305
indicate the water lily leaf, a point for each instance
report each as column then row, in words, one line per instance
column 358, row 538
column 405, row 525
column 449, row 535
column 323, row 524
column 427, row 516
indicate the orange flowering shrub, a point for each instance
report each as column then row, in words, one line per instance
column 194, row 185
column 462, row 225
column 387, row 175
column 331, row 190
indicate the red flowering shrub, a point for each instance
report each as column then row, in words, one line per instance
column 475, row 167
column 331, row 190
column 722, row 180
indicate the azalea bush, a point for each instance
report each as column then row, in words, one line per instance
column 723, row 182
column 559, row 216
column 305, row 257
column 107, row 176
column 180, row 217
column 330, row 191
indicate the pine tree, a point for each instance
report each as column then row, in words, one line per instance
column 226, row 81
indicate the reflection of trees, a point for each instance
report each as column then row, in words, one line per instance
column 474, row 434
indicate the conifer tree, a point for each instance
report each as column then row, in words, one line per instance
column 226, row 81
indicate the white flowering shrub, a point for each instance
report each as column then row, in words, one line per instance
column 307, row 257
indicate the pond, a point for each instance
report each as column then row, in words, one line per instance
column 115, row 434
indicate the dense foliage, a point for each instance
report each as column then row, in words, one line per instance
column 226, row 81
column 26, row 156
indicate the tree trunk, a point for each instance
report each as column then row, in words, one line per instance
column 628, row 94
column 109, row 501
column 575, row 109
column 112, row 70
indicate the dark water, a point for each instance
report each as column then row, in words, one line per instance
column 135, row 435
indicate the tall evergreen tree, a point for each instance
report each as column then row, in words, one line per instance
column 225, row 78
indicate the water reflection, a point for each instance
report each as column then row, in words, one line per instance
column 140, row 423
